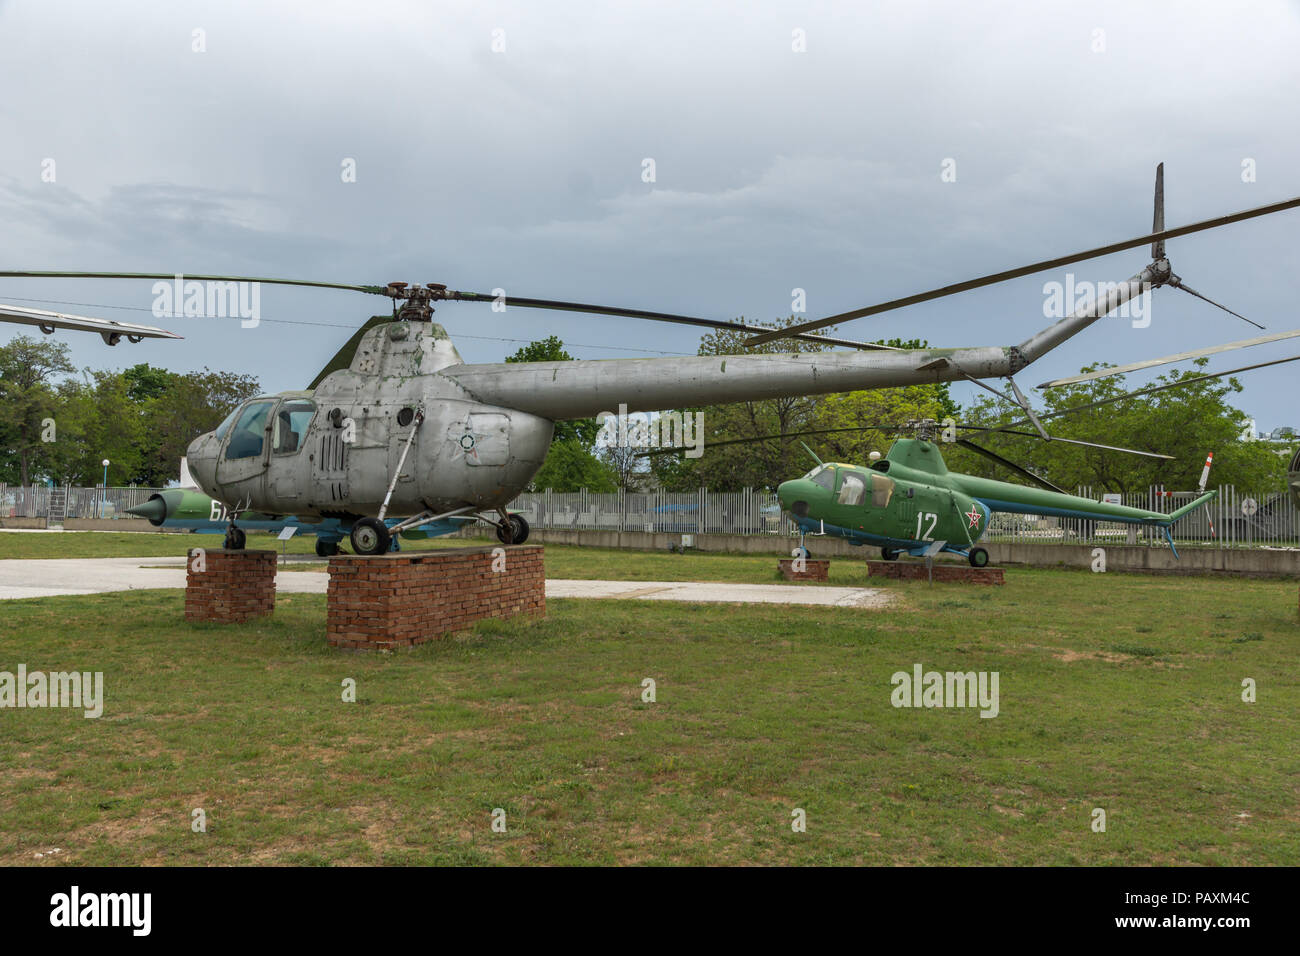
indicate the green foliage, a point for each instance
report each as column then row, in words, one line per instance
column 144, row 381
column 191, row 404
column 28, row 400
column 570, row 466
column 1186, row 422
column 141, row 419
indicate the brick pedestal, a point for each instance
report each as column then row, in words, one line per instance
column 814, row 570
column 229, row 586
column 399, row 600
column 916, row 571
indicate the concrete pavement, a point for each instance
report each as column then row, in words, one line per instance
column 47, row 578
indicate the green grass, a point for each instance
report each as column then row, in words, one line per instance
column 1116, row 692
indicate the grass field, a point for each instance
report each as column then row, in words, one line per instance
column 1116, row 692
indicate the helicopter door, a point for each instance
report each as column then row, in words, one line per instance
column 241, row 469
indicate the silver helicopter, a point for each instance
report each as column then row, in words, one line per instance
column 399, row 435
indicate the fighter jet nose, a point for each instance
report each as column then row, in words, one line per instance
column 155, row 509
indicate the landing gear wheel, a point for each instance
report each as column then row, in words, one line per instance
column 235, row 539
column 326, row 549
column 889, row 554
column 370, row 536
column 978, row 557
column 518, row 531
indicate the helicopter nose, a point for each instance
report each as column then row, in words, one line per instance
column 201, row 456
column 788, row 493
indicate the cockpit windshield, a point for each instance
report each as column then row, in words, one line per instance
column 225, row 426
column 823, row 475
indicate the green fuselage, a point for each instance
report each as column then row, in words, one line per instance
column 908, row 501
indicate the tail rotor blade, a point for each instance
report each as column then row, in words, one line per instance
column 1205, row 473
column 1178, row 283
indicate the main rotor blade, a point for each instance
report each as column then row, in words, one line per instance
column 1157, row 388
column 1169, row 359
column 372, row 289
column 459, row 296
column 1069, row 441
column 48, row 321
column 1010, row 465
column 557, row 306
column 1030, row 269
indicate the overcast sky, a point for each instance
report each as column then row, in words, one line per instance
column 774, row 169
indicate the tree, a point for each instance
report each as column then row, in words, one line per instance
column 570, row 464
column 1185, row 422
column 145, row 381
column 27, row 396
column 141, row 419
column 189, row 405
column 570, row 467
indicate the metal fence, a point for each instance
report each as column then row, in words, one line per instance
column 1233, row 520
column 701, row 512
column 35, row 501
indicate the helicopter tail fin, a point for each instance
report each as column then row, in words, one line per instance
column 1189, row 508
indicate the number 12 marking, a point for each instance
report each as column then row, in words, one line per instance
column 929, row 532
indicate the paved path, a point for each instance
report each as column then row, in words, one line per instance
column 47, row 578
column 709, row 593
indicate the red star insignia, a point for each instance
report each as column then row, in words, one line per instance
column 974, row 516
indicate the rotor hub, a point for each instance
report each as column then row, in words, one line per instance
column 924, row 428
column 416, row 299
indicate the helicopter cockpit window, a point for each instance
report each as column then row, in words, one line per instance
column 291, row 423
column 852, row 489
column 225, row 426
column 882, row 489
column 247, row 436
column 823, row 475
